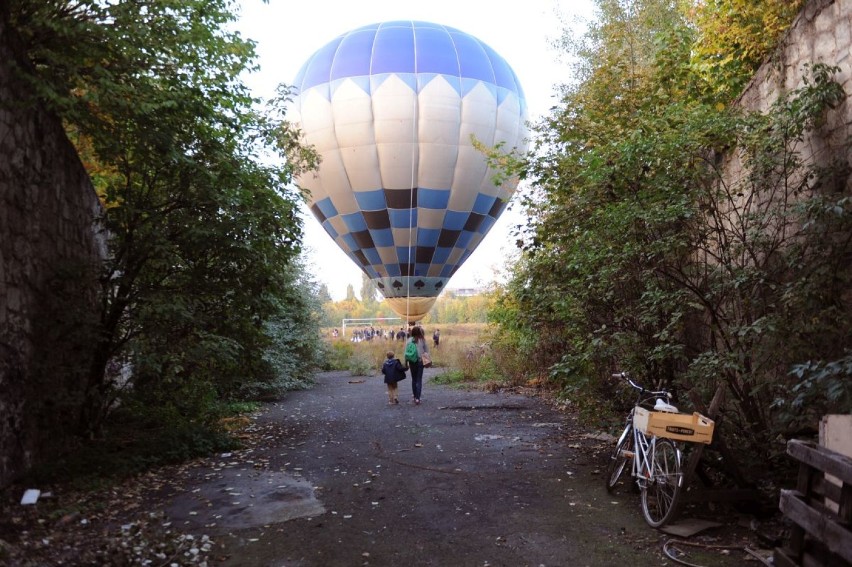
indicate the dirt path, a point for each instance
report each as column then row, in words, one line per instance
column 465, row 478
column 334, row 476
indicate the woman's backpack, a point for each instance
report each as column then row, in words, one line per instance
column 411, row 354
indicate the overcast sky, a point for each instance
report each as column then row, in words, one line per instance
column 287, row 32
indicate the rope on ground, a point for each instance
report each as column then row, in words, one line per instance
column 668, row 553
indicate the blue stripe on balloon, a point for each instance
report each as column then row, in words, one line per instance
column 433, row 198
column 470, row 84
column 421, row 270
column 317, row 69
column 327, row 207
column 441, row 255
column 371, row 200
column 473, row 61
column 393, row 270
column 362, row 82
column 354, row 222
column 329, row 229
column 393, row 51
column 390, row 48
column 447, row 271
column 372, row 255
column 503, row 75
column 405, row 255
column 353, row 55
column 483, row 203
column 349, row 241
column 383, row 238
column 486, row 224
column 372, row 273
column 423, row 79
column 464, row 239
column 435, row 52
column 428, row 236
column 454, row 220
column 402, row 218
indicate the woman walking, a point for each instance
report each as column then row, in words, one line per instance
column 416, row 366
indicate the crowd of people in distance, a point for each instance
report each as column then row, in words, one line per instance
column 372, row 333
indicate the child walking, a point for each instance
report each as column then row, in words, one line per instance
column 394, row 371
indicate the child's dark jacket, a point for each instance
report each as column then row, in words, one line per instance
column 393, row 370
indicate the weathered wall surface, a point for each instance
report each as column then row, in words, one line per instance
column 822, row 33
column 49, row 250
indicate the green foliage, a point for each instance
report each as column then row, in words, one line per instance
column 361, row 364
column 736, row 37
column 455, row 378
column 203, row 298
column 641, row 254
column 337, row 354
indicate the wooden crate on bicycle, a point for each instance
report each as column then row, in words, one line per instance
column 694, row 427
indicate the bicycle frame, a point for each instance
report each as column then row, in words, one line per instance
column 656, row 466
column 644, row 454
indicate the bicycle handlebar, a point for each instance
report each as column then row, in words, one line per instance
column 641, row 389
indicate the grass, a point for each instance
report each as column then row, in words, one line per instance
column 463, row 354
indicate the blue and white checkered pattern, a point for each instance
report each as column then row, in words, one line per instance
column 391, row 108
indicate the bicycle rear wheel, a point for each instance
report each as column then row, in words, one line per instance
column 620, row 458
column 661, row 494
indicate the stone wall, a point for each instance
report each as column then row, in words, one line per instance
column 49, row 251
column 821, row 33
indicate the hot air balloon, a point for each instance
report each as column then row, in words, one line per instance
column 391, row 108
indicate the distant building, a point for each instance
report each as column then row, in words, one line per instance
column 465, row 291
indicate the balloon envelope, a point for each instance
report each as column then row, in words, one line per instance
column 391, row 108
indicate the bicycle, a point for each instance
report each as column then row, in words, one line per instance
column 648, row 441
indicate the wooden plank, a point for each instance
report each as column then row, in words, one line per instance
column 845, row 505
column 821, row 458
column 836, row 538
column 826, row 489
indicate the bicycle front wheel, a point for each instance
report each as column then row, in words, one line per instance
column 661, row 494
column 620, row 459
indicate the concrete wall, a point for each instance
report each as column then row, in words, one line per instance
column 49, row 253
column 822, row 33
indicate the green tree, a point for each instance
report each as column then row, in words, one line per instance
column 641, row 254
column 369, row 290
column 323, row 295
column 204, row 237
column 350, row 293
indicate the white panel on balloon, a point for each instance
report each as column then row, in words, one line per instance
column 317, row 121
column 430, row 218
column 437, row 164
column 479, row 109
column 353, row 115
column 439, row 117
column 509, row 122
column 471, row 170
column 402, row 237
column 335, row 182
column 395, row 107
column 388, row 256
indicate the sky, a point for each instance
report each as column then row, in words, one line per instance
column 287, row 32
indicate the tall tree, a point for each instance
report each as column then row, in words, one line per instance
column 369, row 290
column 203, row 234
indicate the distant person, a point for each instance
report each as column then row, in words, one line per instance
column 436, row 337
column 414, row 358
column 394, row 371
